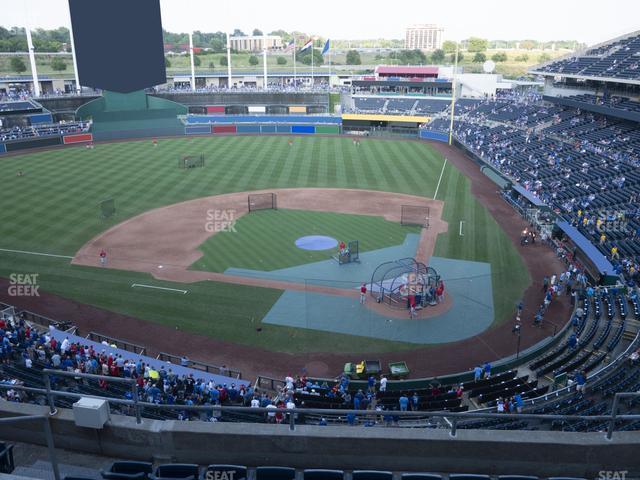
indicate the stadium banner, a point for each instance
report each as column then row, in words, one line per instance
column 77, row 138
column 197, row 129
column 385, row 118
column 431, row 135
column 33, row 143
column 283, row 128
column 257, row 109
column 328, row 129
column 267, row 129
column 297, row 109
column 248, row 128
column 40, row 118
column 303, row 129
column 215, row 109
column 327, row 119
column 223, row 129
column 3, row 149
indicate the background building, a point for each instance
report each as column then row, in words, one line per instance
column 423, row 37
column 255, row 44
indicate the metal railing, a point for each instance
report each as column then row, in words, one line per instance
column 452, row 419
column 197, row 365
column 121, row 344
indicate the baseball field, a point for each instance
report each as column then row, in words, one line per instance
column 52, row 210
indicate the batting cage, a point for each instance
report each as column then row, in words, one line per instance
column 191, row 161
column 262, row 201
column 403, row 282
column 414, row 215
column 107, row 208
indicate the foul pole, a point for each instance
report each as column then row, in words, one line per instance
column 228, row 60
column 264, row 61
column 453, row 94
column 193, row 67
column 32, row 60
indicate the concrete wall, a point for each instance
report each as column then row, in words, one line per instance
column 398, row 449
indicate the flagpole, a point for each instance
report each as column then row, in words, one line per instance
column 264, row 61
column 228, row 60
column 193, row 68
column 312, row 79
column 295, row 77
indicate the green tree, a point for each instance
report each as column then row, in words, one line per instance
column 437, row 56
column 223, row 61
column 285, row 36
column 449, row 46
column 545, row 57
column 17, row 65
column 353, row 58
column 253, row 60
column 58, row 64
column 475, row 44
column 528, row 44
column 167, row 62
column 212, row 65
column 305, row 57
column 238, row 33
column 522, row 58
column 196, row 60
column 452, row 57
column 499, row 57
column 281, row 61
column 479, row 57
column 257, row 32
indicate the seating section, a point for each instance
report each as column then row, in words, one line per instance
column 618, row 59
column 43, row 130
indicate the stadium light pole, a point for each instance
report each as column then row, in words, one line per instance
column 193, row 67
column 32, row 60
column 228, row 60
column 453, row 93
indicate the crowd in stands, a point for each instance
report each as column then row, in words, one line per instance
column 273, row 87
column 43, row 130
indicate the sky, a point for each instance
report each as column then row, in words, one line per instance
column 586, row 21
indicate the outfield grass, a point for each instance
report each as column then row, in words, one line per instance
column 54, row 209
column 265, row 240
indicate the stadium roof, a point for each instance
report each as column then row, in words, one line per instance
column 411, row 70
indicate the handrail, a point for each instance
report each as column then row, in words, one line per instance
column 198, row 365
column 122, row 344
column 445, row 415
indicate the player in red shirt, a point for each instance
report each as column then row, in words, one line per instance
column 103, row 257
column 363, row 293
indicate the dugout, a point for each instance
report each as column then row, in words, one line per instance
column 380, row 124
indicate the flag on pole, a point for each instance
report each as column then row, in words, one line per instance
column 307, row 45
column 326, row 48
column 290, row 47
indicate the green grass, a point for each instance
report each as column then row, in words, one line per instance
column 54, row 209
column 277, row 230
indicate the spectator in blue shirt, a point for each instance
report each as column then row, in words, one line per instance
column 404, row 403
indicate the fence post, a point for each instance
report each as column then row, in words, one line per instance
column 454, row 425
column 50, row 400
column 136, row 404
column 292, row 421
column 614, row 413
column 50, row 446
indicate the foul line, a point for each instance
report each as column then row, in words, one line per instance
column 34, row 253
column 440, row 179
column 134, row 285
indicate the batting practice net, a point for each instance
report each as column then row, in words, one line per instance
column 262, row 201
column 191, row 161
column 107, row 208
column 414, row 215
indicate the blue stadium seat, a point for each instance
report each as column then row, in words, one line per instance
column 371, row 475
column 183, row 471
column 127, row 471
column 275, row 473
column 421, row 476
column 239, row 472
column 517, row 477
column 321, row 474
column 469, row 476
column 567, row 478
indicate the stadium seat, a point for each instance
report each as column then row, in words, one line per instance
column 567, row 478
column 421, row 476
column 239, row 472
column 127, row 471
column 321, row 474
column 469, row 476
column 517, row 477
column 6, row 458
column 275, row 473
column 183, row 471
column 371, row 475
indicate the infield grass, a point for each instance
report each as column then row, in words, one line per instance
column 54, row 209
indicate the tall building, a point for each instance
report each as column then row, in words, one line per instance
column 254, row 44
column 423, row 37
